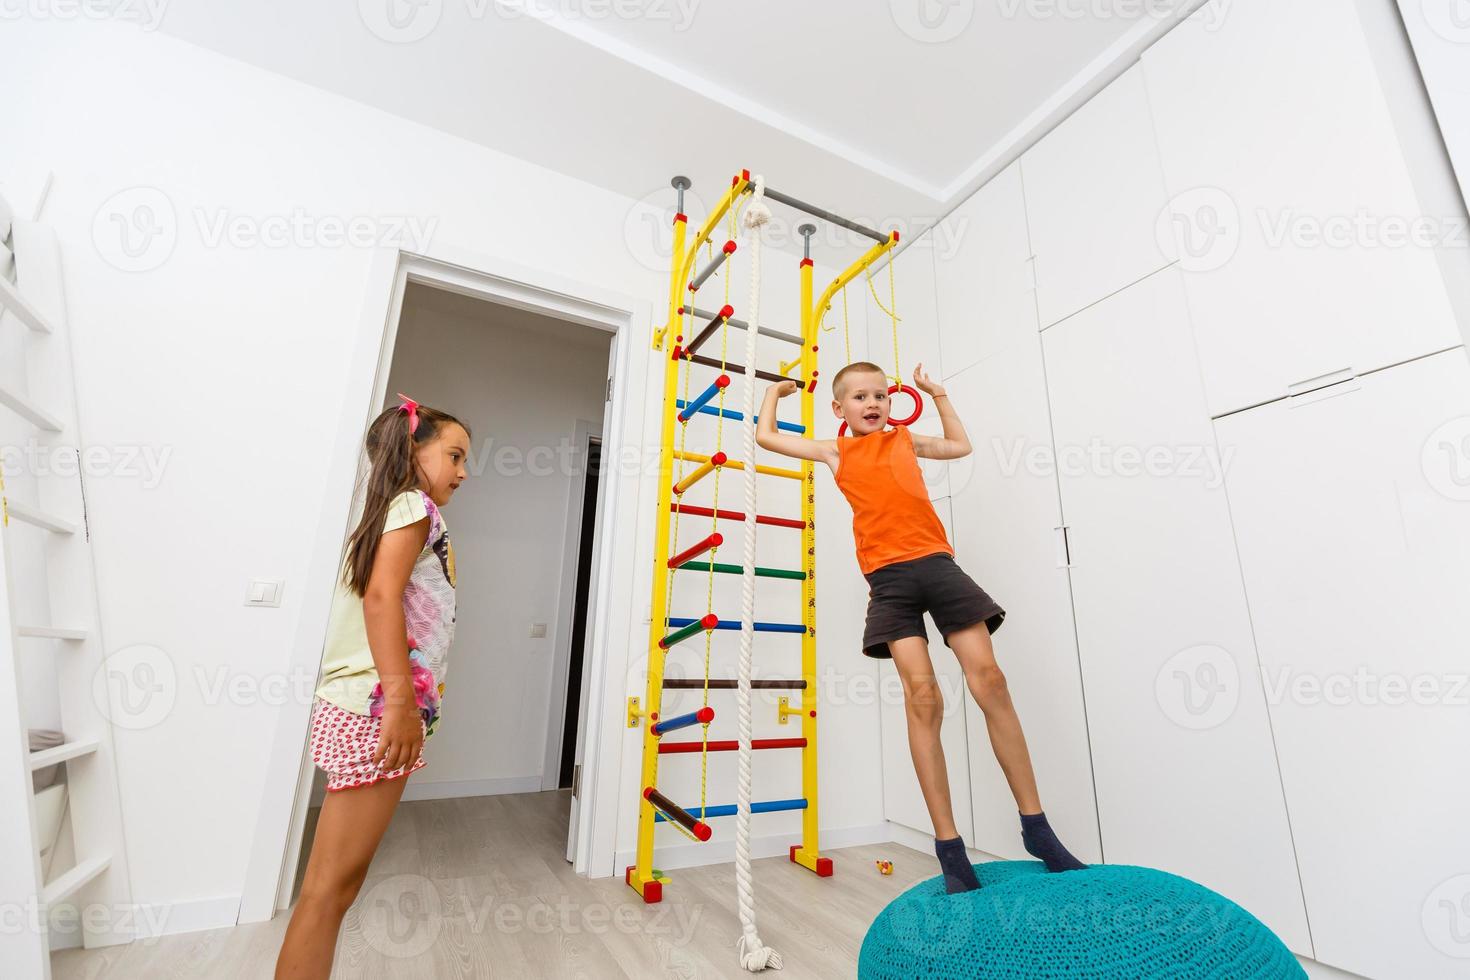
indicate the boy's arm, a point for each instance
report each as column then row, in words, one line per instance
column 767, row 436
column 954, row 444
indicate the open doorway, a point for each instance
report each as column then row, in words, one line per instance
column 533, row 391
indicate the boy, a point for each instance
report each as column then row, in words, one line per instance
column 909, row 564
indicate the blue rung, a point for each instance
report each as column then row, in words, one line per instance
column 728, row 809
column 740, row 416
column 702, row 716
column 734, row 624
column 704, row 398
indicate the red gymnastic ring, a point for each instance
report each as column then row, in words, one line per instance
column 893, row 390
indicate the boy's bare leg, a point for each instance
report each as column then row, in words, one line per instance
column 923, row 704
column 988, row 687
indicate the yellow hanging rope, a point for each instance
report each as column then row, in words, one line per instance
column 891, row 310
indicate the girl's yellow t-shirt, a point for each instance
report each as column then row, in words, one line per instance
column 349, row 676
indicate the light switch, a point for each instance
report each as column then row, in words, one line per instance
column 264, row 592
column 538, row 631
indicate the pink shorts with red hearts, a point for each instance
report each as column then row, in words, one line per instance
column 342, row 746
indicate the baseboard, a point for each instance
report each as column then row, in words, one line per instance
column 151, row 921
column 676, row 856
column 923, row 842
column 453, row 788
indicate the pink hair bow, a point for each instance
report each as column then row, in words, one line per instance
column 412, row 408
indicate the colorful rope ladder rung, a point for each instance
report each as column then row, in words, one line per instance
column 714, row 264
column 703, row 716
column 735, row 515
column 667, row 809
column 705, row 397
column 730, row 745
column 730, row 684
column 728, row 809
column 706, row 466
column 721, row 567
column 734, row 624
column 715, row 320
column 682, row 558
column 739, row 324
column 688, row 628
column 734, row 416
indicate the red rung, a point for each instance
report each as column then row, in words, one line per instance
column 731, row 746
column 735, row 515
column 713, row 541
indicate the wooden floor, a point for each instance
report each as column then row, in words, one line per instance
column 479, row 887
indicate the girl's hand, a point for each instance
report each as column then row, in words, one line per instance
column 785, row 388
column 401, row 738
column 922, row 382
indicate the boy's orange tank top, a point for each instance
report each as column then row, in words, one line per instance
column 892, row 518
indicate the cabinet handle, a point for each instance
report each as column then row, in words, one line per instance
column 1064, row 547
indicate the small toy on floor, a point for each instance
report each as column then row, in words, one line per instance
column 884, row 867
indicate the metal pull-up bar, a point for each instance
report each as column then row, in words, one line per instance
column 816, row 212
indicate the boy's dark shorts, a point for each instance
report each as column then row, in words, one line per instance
column 901, row 593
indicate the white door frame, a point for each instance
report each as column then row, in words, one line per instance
column 583, row 433
column 275, row 848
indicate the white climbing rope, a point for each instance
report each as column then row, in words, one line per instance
column 754, row 955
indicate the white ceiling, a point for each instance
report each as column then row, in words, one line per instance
column 887, row 111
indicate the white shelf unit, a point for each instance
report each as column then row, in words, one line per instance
column 47, row 565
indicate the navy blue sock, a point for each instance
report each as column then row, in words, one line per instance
column 959, row 873
column 1041, row 842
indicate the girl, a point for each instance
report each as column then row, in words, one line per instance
column 383, row 670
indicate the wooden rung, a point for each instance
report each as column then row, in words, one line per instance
column 30, row 515
column 65, row 886
column 729, row 684
column 12, row 300
column 51, row 633
column 62, row 752
column 29, row 410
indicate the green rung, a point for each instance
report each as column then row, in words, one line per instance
column 704, row 566
column 682, row 633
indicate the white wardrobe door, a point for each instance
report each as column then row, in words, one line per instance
column 1353, row 516
column 1094, row 192
column 1006, row 515
column 902, row 800
column 1181, row 746
column 1290, row 188
column 983, row 274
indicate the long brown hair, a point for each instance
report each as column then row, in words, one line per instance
column 390, row 450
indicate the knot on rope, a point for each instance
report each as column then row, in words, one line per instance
column 756, row 213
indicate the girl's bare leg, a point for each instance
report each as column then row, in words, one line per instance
column 351, row 824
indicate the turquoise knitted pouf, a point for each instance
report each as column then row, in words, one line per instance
column 1106, row 921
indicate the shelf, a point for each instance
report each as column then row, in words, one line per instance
column 50, row 633
column 30, row 515
column 62, row 752
column 29, row 410
column 12, row 300
column 65, row 886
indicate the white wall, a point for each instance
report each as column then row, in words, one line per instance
column 521, row 385
column 229, row 356
column 1316, row 550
